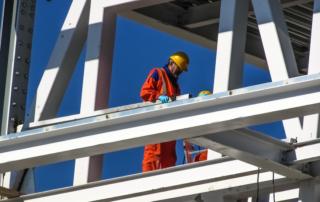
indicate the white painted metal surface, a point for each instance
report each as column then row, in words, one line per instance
column 171, row 121
column 97, row 70
column 252, row 156
column 309, row 190
column 167, row 183
column 278, row 50
column 96, row 82
column 311, row 123
column 62, row 62
column 287, row 195
column 100, row 112
column 216, row 20
column 303, row 153
column 187, row 36
column 231, row 49
column 231, row 45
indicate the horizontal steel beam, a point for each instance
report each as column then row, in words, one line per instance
column 201, row 177
column 250, row 147
column 161, row 123
column 101, row 112
column 304, row 152
column 215, row 19
column 187, row 36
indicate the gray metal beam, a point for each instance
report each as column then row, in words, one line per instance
column 311, row 123
column 303, row 152
column 203, row 177
column 21, row 63
column 250, row 147
column 7, row 26
column 206, row 38
column 211, row 13
column 101, row 112
column 231, row 45
column 309, row 190
column 177, row 120
column 15, row 59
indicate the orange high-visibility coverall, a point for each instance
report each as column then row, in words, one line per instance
column 161, row 155
column 201, row 157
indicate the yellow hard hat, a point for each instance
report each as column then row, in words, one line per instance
column 181, row 59
column 205, row 92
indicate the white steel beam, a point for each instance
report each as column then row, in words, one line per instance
column 69, row 46
column 117, row 6
column 161, row 123
column 96, row 82
column 278, row 50
column 265, row 188
column 260, row 153
column 311, row 123
column 97, row 71
column 216, row 19
column 187, row 36
column 231, row 45
column 309, row 190
column 288, row 195
column 101, row 112
column 168, row 183
column 63, row 60
column 231, row 48
column 315, row 40
column 303, row 153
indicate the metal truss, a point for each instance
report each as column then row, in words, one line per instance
column 217, row 121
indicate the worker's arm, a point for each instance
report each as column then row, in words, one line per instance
column 150, row 91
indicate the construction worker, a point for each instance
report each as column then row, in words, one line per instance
column 161, row 84
column 203, row 155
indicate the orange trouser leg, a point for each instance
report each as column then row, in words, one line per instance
column 161, row 154
column 149, row 166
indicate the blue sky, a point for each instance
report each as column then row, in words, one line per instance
column 138, row 49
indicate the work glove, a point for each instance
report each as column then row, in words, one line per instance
column 163, row 98
column 204, row 94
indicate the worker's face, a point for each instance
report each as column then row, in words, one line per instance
column 175, row 70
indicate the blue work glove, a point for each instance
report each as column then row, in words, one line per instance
column 163, row 98
column 204, row 94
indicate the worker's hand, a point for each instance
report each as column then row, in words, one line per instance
column 163, row 98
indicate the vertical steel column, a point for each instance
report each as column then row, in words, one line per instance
column 231, row 45
column 6, row 50
column 311, row 123
column 96, row 81
column 18, row 46
column 278, row 50
column 309, row 190
column 56, row 78
column 21, row 63
column 231, row 48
